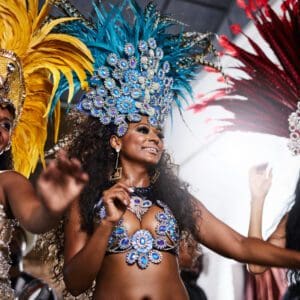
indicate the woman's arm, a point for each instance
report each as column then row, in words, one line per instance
column 83, row 253
column 58, row 185
column 222, row 239
column 277, row 238
column 260, row 182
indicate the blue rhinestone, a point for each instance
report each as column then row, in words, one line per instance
column 109, row 83
column 161, row 216
column 110, row 101
column 105, row 120
column 119, row 230
column 129, row 49
column 131, row 257
column 162, row 228
column 98, row 102
column 142, row 241
column 132, row 62
column 166, row 66
column 147, row 203
column 152, row 43
column 124, row 243
column 119, row 119
column 112, row 111
column 137, row 200
column 122, row 129
column 126, row 89
column 86, row 104
column 136, row 93
column 112, row 59
column 134, row 117
column 95, row 112
column 101, row 91
column 116, row 92
column 159, row 53
column 143, row 262
column 95, row 80
column 160, row 243
column 117, row 74
column 161, row 74
column 103, row 72
column 123, row 64
column 155, row 257
column 143, row 46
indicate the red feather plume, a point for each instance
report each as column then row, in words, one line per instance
column 272, row 89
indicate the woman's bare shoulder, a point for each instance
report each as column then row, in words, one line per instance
column 11, row 174
column 10, row 179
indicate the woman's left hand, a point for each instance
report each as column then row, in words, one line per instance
column 60, row 183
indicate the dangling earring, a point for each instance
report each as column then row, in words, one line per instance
column 155, row 176
column 8, row 146
column 117, row 174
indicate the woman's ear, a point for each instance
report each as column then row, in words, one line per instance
column 115, row 142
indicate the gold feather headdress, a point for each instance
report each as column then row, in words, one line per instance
column 32, row 62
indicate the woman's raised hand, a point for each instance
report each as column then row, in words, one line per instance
column 115, row 200
column 260, row 180
column 60, row 183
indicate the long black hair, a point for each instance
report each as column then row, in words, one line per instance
column 293, row 232
column 91, row 145
column 89, row 141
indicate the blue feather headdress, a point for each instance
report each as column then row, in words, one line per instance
column 140, row 68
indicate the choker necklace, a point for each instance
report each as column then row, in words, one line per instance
column 142, row 191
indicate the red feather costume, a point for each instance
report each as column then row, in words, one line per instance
column 272, row 89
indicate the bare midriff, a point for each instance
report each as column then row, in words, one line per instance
column 119, row 281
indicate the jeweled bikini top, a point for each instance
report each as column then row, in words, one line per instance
column 142, row 246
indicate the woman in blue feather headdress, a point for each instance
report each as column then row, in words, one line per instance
column 124, row 231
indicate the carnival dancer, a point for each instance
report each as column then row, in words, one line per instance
column 32, row 60
column 124, row 230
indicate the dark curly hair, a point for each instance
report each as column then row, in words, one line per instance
column 6, row 161
column 90, row 142
column 91, row 145
column 293, row 233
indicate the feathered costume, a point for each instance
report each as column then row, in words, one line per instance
column 140, row 68
column 43, row 58
column 272, row 88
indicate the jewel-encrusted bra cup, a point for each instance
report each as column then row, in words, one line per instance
column 144, row 247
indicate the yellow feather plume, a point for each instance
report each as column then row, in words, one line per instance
column 45, row 57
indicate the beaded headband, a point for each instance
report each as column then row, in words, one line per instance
column 140, row 68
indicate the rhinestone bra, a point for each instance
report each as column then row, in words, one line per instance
column 6, row 229
column 142, row 246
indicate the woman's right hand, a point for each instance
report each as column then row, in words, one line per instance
column 115, row 200
column 260, row 180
